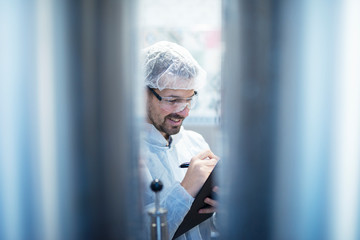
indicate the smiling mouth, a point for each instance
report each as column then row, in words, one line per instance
column 175, row 119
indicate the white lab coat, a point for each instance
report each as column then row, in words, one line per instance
column 162, row 162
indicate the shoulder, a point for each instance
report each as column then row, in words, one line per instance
column 194, row 138
column 192, row 134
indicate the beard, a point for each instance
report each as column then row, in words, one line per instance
column 171, row 130
column 162, row 124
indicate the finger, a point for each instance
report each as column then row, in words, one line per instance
column 210, row 162
column 207, row 210
column 206, row 154
column 211, row 202
column 215, row 189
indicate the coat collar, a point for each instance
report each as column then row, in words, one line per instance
column 155, row 138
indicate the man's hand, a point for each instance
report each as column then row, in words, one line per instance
column 199, row 170
column 213, row 203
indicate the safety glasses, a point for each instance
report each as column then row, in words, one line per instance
column 175, row 104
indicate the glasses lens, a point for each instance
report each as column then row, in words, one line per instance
column 178, row 105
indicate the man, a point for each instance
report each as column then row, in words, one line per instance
column 172, row 77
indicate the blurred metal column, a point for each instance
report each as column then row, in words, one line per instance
column 308, row 48
column 249, row 111
column 69, row 134
column 106, row 130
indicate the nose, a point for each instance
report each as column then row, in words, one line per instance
column 185, row 112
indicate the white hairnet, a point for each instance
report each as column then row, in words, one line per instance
column 168, row 65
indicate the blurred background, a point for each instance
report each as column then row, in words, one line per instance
column 281, row 108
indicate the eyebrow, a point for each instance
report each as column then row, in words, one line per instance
column 175, row 96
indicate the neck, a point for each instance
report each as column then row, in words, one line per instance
column 166, row 136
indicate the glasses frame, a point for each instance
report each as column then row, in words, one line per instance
column 164, row 99
column 161, row 98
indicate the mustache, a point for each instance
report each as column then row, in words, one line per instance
column 174, row 115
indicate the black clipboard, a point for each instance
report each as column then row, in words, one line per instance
column 193, row 218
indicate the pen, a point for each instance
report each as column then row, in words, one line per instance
column 184, row 165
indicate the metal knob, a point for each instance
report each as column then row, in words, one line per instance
column 156, row 185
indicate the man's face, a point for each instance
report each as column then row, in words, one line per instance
column 166, row 121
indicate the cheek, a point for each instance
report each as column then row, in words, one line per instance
column 161, row 116
column 162, row 113
column 157, row 112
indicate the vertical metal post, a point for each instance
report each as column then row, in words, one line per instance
column 277, row 80
column 158, row 224
column 249, row 112
column 69, row 134
column 106, row 130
